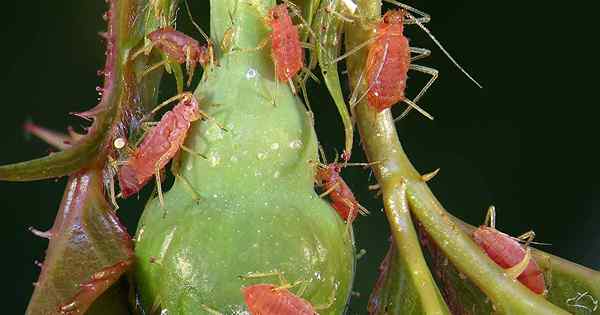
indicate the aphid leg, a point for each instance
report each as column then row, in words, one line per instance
column 427, row 177
column 194, row 153
column 515, row 271
column 330, row 301
column 144, row 50
column 278, row 274
column 490, row 217
column 210, row 310
column 175, row 166
column 420, row 53
column 147, row 125
column 157, row 176
column 160, row 64
column 187, row 95
column 291, row 84
column 434, row 76
column 527, row 237
column 302, row 83
column 328, row 191
column 417, row 107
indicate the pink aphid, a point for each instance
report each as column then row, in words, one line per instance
column 181, row 48
column 342, row 198
column 388, row 62
column 160, row 145
column 286, row 50
column 267, row 299
column 507, row 252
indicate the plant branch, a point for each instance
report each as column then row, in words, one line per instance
column 381, row 143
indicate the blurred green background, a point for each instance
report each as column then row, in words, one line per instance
column 525, row 143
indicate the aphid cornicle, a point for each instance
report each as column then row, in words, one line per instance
column 505, row 251
column 286, row 50
column 267, row 299
column 160, row 145
column 342, row 198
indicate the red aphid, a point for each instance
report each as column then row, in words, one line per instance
column 507, row 252
column 286, row 51
column 181, row 48
column 342, row 198
column 388, row 62
column 160, row 145
column 267, row 299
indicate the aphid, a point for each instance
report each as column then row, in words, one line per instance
column 509, row 254
column 342, row 198
column 160, row 144
column 267, row 299
column 286, row 50
column 179, row 47
column 389, row 60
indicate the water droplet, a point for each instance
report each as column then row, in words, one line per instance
column 250, row 74
column 261, row 156
column 164, row 312
column 233, row 158
column 276, row 174
column 296, row 144
column 119, row 143
column 275, row 146
column 214, row 133
column 214, row 159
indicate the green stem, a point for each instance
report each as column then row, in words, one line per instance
column 381, row 143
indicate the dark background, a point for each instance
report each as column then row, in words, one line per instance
column 525, row 143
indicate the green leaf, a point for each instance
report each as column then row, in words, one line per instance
column 329, row 27
column 85, row 239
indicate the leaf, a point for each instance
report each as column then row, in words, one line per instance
column 85, row 239
column 329, row 27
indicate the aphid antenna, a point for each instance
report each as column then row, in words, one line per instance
column 424, row 17
column 527, row 238
column 189, row 12
column 437, row 42
column 296, row 11
column 354, row 49
column 322, row 154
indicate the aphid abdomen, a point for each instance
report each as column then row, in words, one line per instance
column 159, row 146
column 264, row 299
column 387, row 66
column 286, row 51
column 507, row 252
